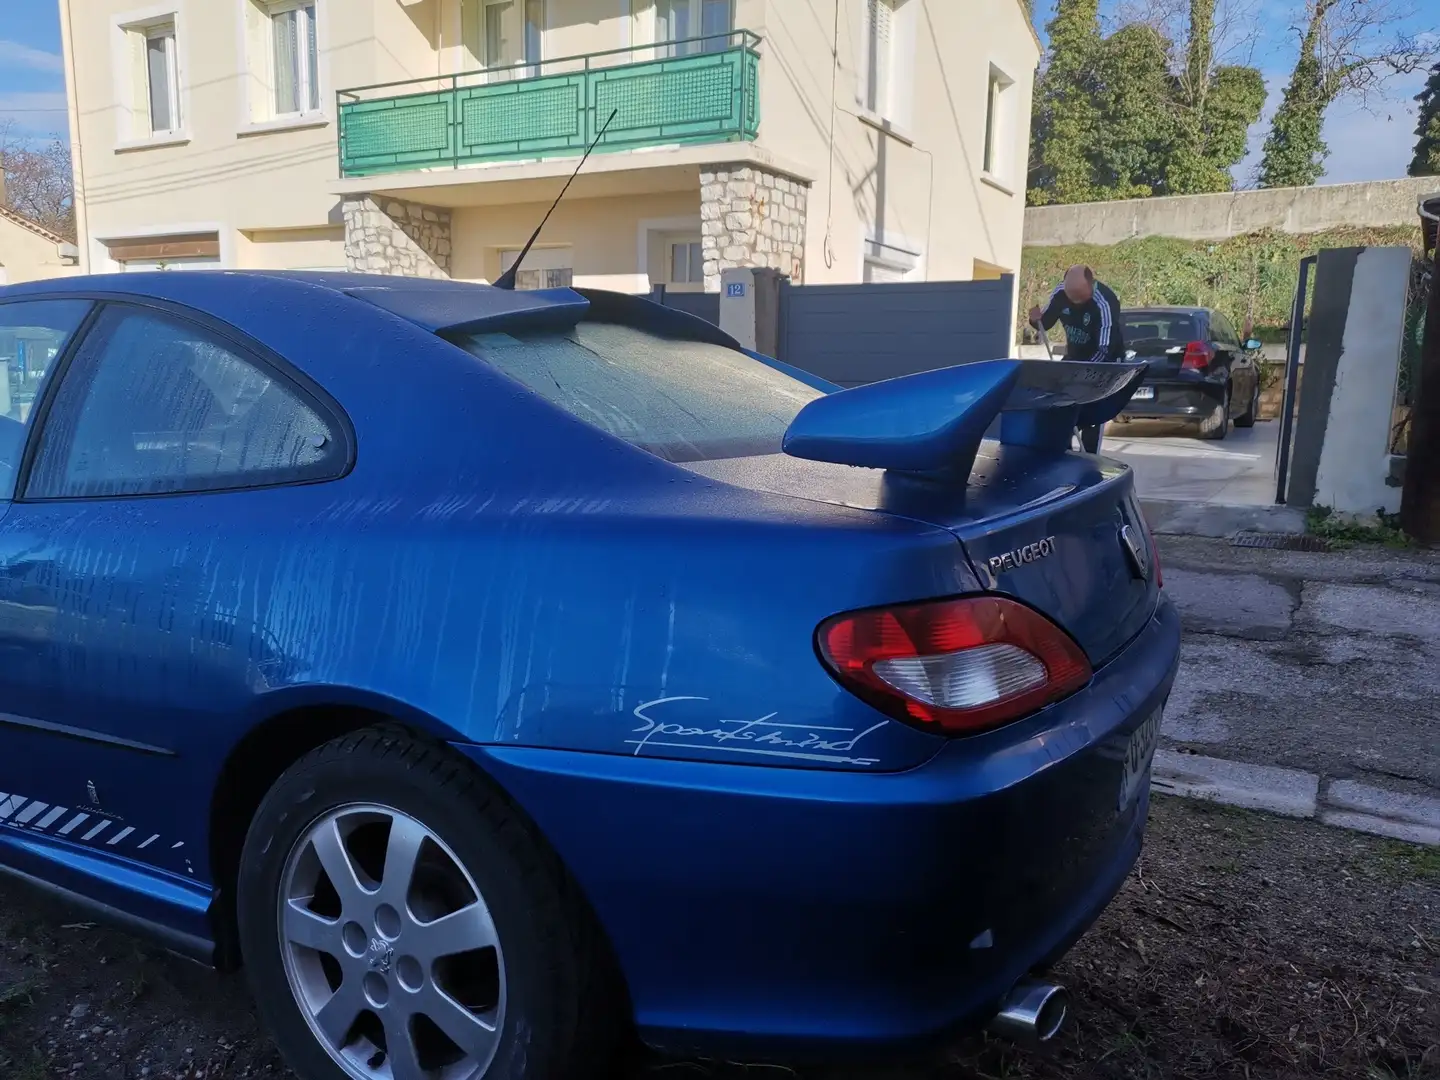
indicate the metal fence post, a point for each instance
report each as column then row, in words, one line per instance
column 1292, row 371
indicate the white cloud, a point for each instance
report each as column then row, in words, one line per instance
column 12, row 53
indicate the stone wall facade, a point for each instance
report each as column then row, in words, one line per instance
column 751, row 217
column 392, row 236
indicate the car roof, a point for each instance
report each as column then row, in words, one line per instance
column 434, row 304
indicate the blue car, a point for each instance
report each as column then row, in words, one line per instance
column 497, row 676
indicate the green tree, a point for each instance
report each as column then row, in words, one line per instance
column 1426, row 161
column 1065, row 115
column 1124, row 116
column 1346, row 48
column 1213, row 108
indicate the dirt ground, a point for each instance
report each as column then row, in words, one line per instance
column 1243, row 947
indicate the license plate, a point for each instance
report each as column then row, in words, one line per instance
column 1143, row 393
column 1138, row 756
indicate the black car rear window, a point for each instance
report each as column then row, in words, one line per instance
column 1158, row 327
column 680, row 400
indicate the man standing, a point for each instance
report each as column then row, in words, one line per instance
column 1090, row 313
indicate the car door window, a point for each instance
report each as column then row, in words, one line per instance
column 153, row 405
column 33, row 333
column 1224, row 332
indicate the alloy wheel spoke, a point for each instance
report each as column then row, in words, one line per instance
column 401, row 852
column 461, row 931
column 400, row 1050
column 331, row 851
column 471, row 1033
column 304, row 927
column 337, row 1016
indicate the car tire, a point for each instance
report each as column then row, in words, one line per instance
column 1248, row 417
column 1217, row 425
column 471, row 923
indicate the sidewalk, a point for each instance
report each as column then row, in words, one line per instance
column 1309, row 684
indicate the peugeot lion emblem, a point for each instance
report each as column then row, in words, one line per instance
column 1137, row 550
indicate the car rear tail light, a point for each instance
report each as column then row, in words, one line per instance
column 956, row 667
column 1198, row 355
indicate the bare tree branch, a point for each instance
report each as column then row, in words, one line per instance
column 39, row 183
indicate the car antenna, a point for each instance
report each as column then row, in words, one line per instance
column 507, row 279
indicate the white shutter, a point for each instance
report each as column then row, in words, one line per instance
column 879, row 50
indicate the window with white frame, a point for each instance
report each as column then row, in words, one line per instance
column 999, row 105
column 687, row 263
column 155, row 78
column 294, row 57
column 544, row 268
column 695, row 25
column 877, row 91
column 503, row 34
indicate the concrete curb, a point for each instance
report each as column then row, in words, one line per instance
column 1345, row 804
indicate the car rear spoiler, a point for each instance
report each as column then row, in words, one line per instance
column 933, row 421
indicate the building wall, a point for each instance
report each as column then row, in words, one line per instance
column 609, row 238
column 918, row 188
column 1217, row 217
column 224, row 173
column 27, row 256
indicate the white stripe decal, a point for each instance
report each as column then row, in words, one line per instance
column 10, row 805
column 121, row 835
column 69, row 826
column 95, row 831
column 1104, row 327
column 147, row 843
column 50, row 818
column 30, row 812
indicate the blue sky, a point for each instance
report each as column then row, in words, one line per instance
column 1366, row 144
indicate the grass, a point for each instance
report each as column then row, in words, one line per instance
column 1410, row 862
column 1342, row 531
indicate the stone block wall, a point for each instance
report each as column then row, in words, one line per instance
column 751, row 217
column 392, row 236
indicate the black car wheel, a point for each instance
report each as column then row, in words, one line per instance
column 400, row 920
column 1252, row 412
column 1217, row 424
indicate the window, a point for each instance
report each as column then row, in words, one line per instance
column 998, row 125
column 697, row 25
column 153, row 405
column 162, row 81
column 687, row 264
column 504, row 34
column 295, row 55
column 680, row 400
column 879, row 55
column 32, row 334
column 544, row 268
column 1157, row 328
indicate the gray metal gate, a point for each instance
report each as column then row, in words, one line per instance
column 855, row 334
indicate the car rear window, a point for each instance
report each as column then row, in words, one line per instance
column 1158, row 327
column 680, row 400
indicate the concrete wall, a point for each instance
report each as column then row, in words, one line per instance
column 1342, row 429
column 1217, row 217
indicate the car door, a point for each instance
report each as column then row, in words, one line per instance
column 1242, row 368
column 34, row 336
column 167, row 455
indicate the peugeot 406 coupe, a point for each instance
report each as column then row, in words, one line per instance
column 500, row 676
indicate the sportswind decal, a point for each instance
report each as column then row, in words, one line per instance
column 22, row 813
column 765, row 737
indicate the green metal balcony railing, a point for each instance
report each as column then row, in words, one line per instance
column 703, row 90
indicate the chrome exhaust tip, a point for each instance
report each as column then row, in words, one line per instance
column 1033, row 1012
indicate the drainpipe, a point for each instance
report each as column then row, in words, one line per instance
column 77, row 151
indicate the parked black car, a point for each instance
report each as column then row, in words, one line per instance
column 1198, row 368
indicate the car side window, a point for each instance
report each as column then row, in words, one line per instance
column 33, row 333
column 153, row 405
column 1224, row 332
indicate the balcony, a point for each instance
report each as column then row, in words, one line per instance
column 704, row 90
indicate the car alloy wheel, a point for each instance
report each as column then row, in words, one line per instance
column 390, row 949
